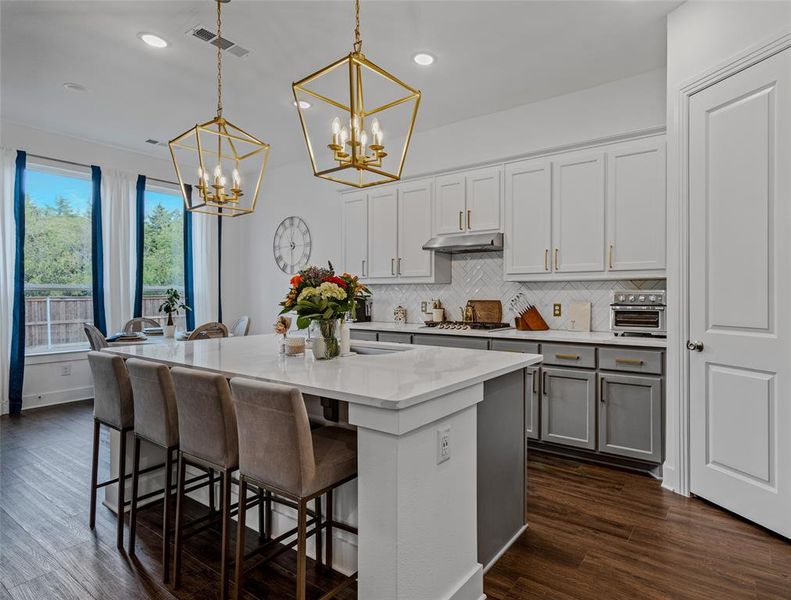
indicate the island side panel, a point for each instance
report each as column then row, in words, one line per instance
column 501, row 465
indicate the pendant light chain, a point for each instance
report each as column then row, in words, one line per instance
column 219, row 60
column 358, row 42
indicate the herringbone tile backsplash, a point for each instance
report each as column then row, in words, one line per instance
column 480, row 277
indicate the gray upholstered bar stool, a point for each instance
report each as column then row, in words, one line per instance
column 156, row 421
column 208, row 440
column 280, row 453
column 113, row 407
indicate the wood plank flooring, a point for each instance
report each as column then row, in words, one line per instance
column 594, row 533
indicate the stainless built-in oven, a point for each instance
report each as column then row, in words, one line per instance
column 638, row 312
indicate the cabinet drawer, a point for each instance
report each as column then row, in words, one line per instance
column 569, row 356
column 395, row 338
column 358, row 334
column 635, row 361
column 452, row 341
column 515, row 346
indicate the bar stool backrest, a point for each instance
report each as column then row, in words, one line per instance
column 156, row 416
column 275, row 443
column 207, row 421
column 112, row 391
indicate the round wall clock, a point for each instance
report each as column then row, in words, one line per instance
column 291, row 246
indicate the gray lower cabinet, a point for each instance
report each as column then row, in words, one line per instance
column 630, row 416
column 532, row 402
column 395, row 337
column 361, row 334
column 568, row 407
column 452, row 341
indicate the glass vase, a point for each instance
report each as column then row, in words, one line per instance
column 325, row 340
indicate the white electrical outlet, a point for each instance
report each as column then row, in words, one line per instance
column 443, row 444
column 65, row 370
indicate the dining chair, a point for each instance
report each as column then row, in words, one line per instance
column 208, row 330
column 241, row 327
column 138, row 324
column 95, row 337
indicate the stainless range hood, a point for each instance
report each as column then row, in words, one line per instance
column 471, row 242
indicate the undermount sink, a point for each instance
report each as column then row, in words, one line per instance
column 360, row 349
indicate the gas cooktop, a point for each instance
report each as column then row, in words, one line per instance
column 466, row 325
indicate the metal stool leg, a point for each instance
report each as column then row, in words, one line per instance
column 262, row 532
column 166, row 529
column 226, row 531
column 240, row 534
column 319, row 549
column 133, row 499
column 119, row 537
column 94, row 473
column 301, row 548
column 177, row 549
column 328, row 562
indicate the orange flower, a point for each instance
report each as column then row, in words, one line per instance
column 296, row 280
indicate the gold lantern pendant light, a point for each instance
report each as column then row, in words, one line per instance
column 219, row 153
column 336, row 118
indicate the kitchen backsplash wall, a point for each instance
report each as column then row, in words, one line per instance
column 480, row 277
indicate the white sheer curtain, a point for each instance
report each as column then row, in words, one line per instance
column 204, row 267
column 7, row 259
column 118, row 235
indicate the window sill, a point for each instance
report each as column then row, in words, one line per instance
column 59, row 355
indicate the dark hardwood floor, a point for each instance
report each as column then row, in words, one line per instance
column 594, row 533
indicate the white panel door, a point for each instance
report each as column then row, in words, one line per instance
column 636, row 205
column 382, row 233
column 483, row 199
column 740, row 271
column 578, row 213
column 355, row 233
column 414, row 229
column 528, row 217
column 449, row 205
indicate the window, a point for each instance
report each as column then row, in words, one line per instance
column 163, row 248
column 57, row 258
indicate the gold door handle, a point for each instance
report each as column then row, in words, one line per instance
column 567, row 356
column 610, row 259
column 556, row 258
column 546, row 259
column 629, row 361
column 469, row 219
column 461, row 216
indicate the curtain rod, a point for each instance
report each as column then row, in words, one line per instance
column 76, row 164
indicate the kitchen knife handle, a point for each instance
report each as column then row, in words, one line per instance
column 469, row 218
column 546, row 259
column 461, row 217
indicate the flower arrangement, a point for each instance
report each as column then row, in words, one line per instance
column 318, row 294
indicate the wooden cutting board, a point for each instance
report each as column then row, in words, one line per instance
column 487, row 311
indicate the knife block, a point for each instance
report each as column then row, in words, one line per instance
column 531, row 321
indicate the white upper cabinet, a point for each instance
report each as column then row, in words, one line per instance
column 382, row 233
column 450, row 205
column 636, row 221
column 483, row 199
column 528, row 217
column 578, row 213
column 355, row 234
column 414, row 229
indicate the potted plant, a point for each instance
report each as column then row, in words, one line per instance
column 320, row 297
column 171, row 306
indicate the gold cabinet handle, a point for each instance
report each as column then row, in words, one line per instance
column 469, row 219
column 567, row 356
column 610, row 259
column 629, row 361
column 556, row 258
column 546, row 259
column 461, row 216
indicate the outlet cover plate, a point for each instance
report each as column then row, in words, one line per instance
column 443, row 444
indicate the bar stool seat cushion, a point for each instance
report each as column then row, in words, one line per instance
column 112, row 390
column 335, row 449
column 156, row 416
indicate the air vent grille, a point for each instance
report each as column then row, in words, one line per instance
column 150, row 141
column 205, row 34
column 237, row 50
column 222, row 43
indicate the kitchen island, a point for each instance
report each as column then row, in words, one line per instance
column 429, row 513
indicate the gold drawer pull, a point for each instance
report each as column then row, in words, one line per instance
column 567, row 356
column 629, row 361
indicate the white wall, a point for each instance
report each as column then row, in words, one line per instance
column 622, row 106
column 701, row 36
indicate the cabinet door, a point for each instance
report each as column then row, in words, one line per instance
column 450, row 340
column 449, row 204
column 414, row 229
column 382, row 233
column 483, row 199
column 630, row 416
column 636, row 204
column 528, row 217
column 578, row 213
column 568, row 407
column 532, row 402
column 355, row 234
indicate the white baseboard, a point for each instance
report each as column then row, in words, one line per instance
column 470, row 587
column 58, row 397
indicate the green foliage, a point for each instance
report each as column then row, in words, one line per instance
column 172, row 304
column 164, row 248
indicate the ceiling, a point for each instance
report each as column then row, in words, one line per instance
column 491, row 56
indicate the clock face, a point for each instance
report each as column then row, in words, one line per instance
column 291, row 246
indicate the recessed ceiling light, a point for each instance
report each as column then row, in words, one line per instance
column 153, row 40
column 74, row 87
column 423, row 59
column 303, row 104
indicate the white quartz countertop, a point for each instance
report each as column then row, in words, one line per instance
column 407, row 376
column 552, row 335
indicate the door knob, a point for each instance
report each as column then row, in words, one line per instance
column 696, row 346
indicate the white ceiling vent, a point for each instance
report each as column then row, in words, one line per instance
column 205, row 34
